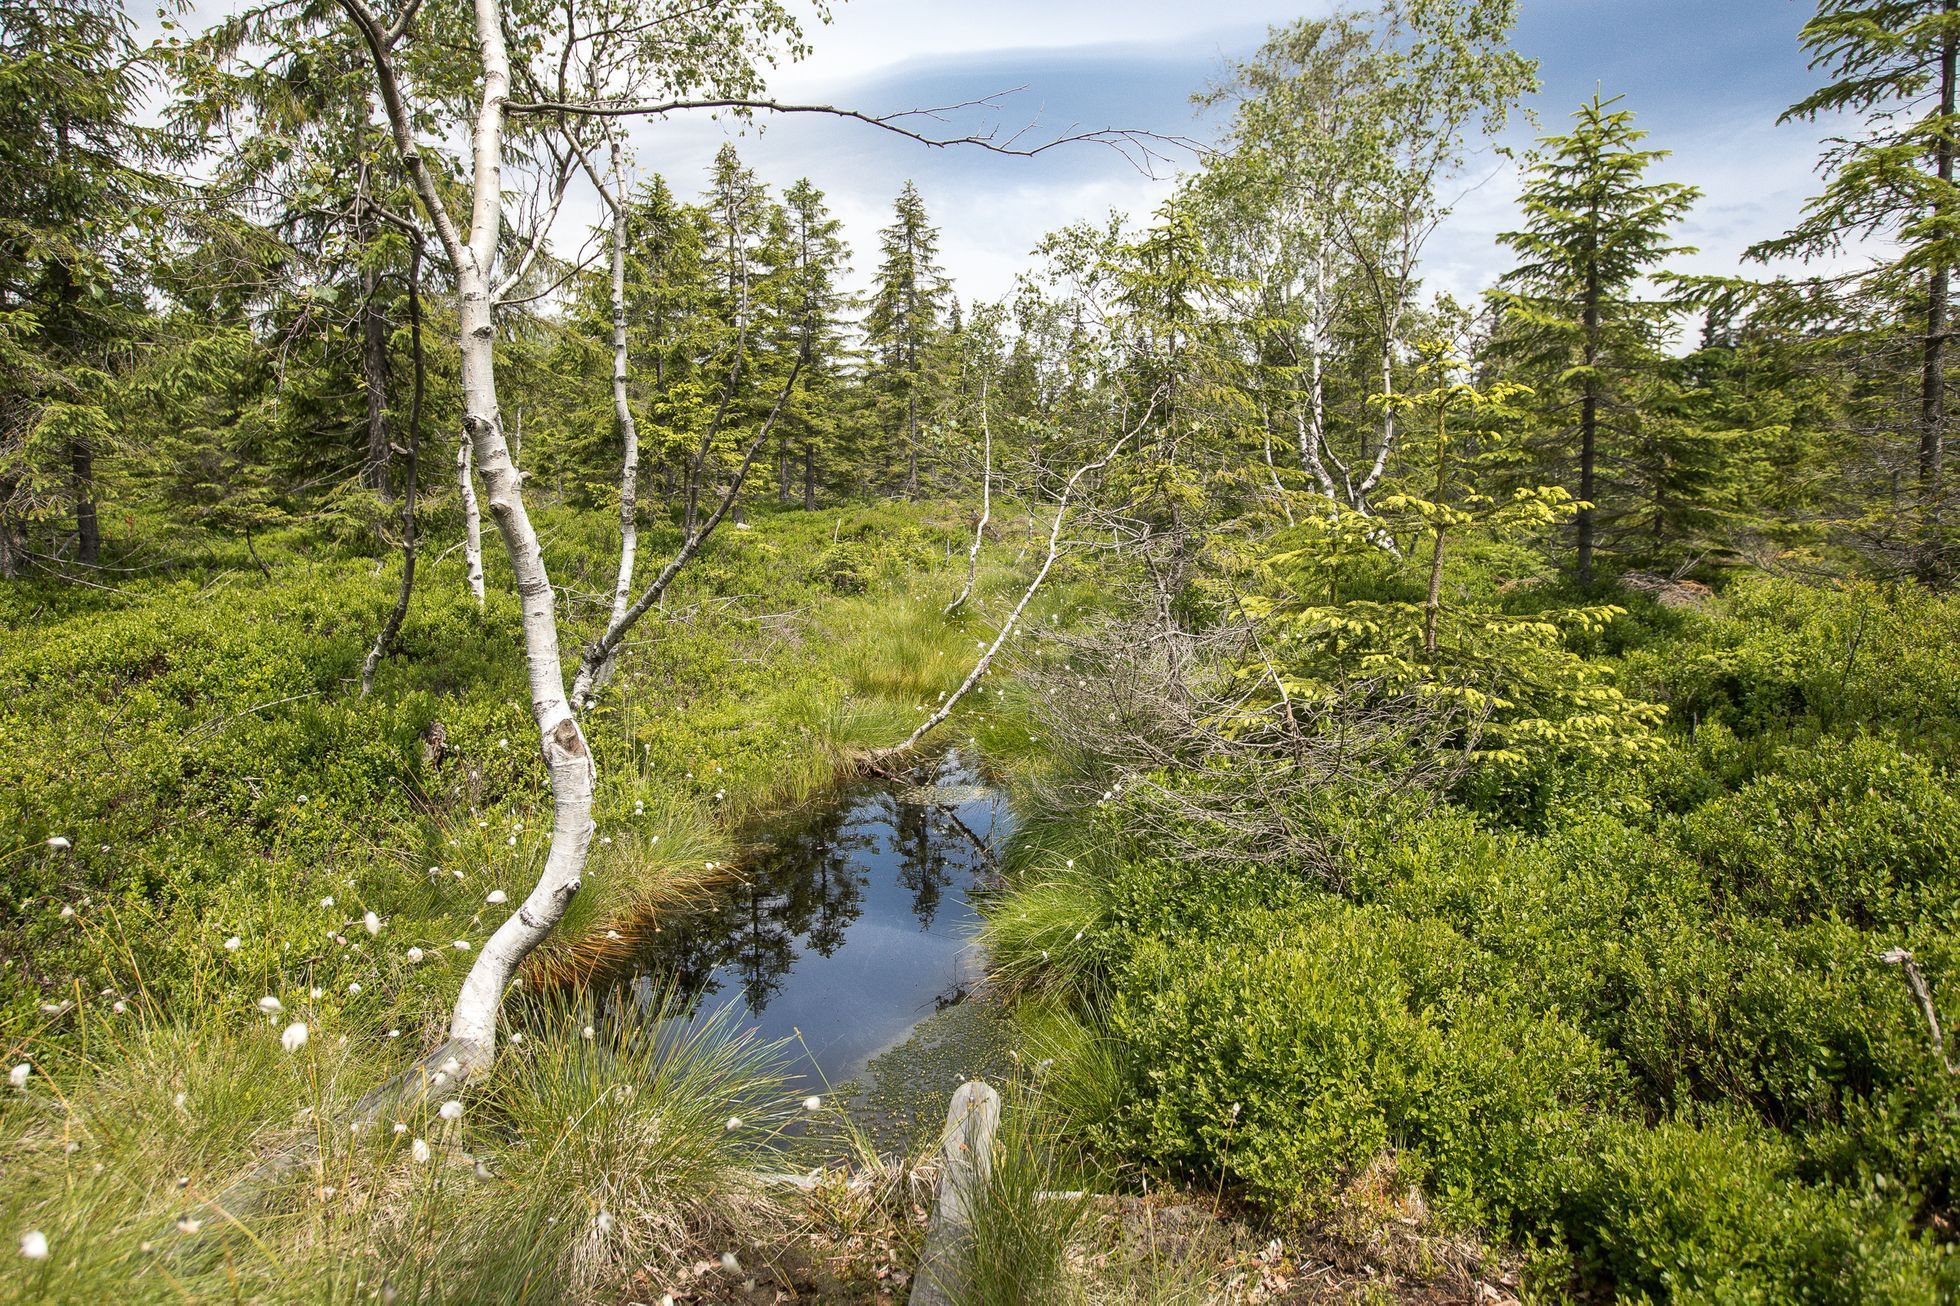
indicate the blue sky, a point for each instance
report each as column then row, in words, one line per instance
column 1706, row 78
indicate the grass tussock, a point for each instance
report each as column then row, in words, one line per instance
column 607, row 1146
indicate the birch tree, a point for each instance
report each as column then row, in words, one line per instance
column 726, row 47
column 1350, row 134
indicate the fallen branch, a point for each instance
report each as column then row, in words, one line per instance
column 879, row 757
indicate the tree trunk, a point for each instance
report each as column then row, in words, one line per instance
column 1432, row 609
column 1932, row 401
column 374, row 372
column 912, row 441
column 88, row 526
column 629, row 431
column 809, row 478
column 472, row 521
column 472, row 1045
column 473, row 1023
column 1588, row 426
column 391, row 628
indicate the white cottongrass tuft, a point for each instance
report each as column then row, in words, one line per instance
column 327, row 901
column 232, row 944
column 496, row 898
column 270, row 1005
column 461, row 945
column 729, row 1263
column 734, row 1123
column 418, row 1151
column 353, row 990
column 34, row 1245
column 372, row 922
column 813, row 1103
column 18, row 1075
column 587, row 1033
column 450, row 1110
column 414, row 956
column 188, row 1225
column 294, row 1037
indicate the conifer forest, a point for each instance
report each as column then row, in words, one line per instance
column 575, row 728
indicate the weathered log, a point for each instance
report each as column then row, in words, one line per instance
column 966, row 1153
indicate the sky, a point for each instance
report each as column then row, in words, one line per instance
column 1706, row 78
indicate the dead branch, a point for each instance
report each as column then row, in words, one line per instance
column 1922, row 996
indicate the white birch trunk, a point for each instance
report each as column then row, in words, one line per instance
column 629, row 433
column 472, row 1044
column 945, row 709
column 472, row 521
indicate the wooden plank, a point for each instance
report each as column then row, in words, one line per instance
column 966, row 1153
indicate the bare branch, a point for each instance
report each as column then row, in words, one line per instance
column 1146, row 151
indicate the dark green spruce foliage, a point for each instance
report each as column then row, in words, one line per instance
column 1581, row 334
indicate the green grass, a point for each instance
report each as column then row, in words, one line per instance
column 602, row 1145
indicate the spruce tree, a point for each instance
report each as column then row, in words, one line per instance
column 1573, row 313
column 818, row 260
column 78, row 204
column 1894, row 63
column 907, row 306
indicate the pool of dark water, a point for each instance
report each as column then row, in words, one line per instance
column 849, row 925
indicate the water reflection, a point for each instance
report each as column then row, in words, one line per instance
column 853, row 924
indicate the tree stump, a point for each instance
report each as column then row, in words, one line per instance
column 966, row 1152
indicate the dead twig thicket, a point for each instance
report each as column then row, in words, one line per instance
column 1213, row 761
